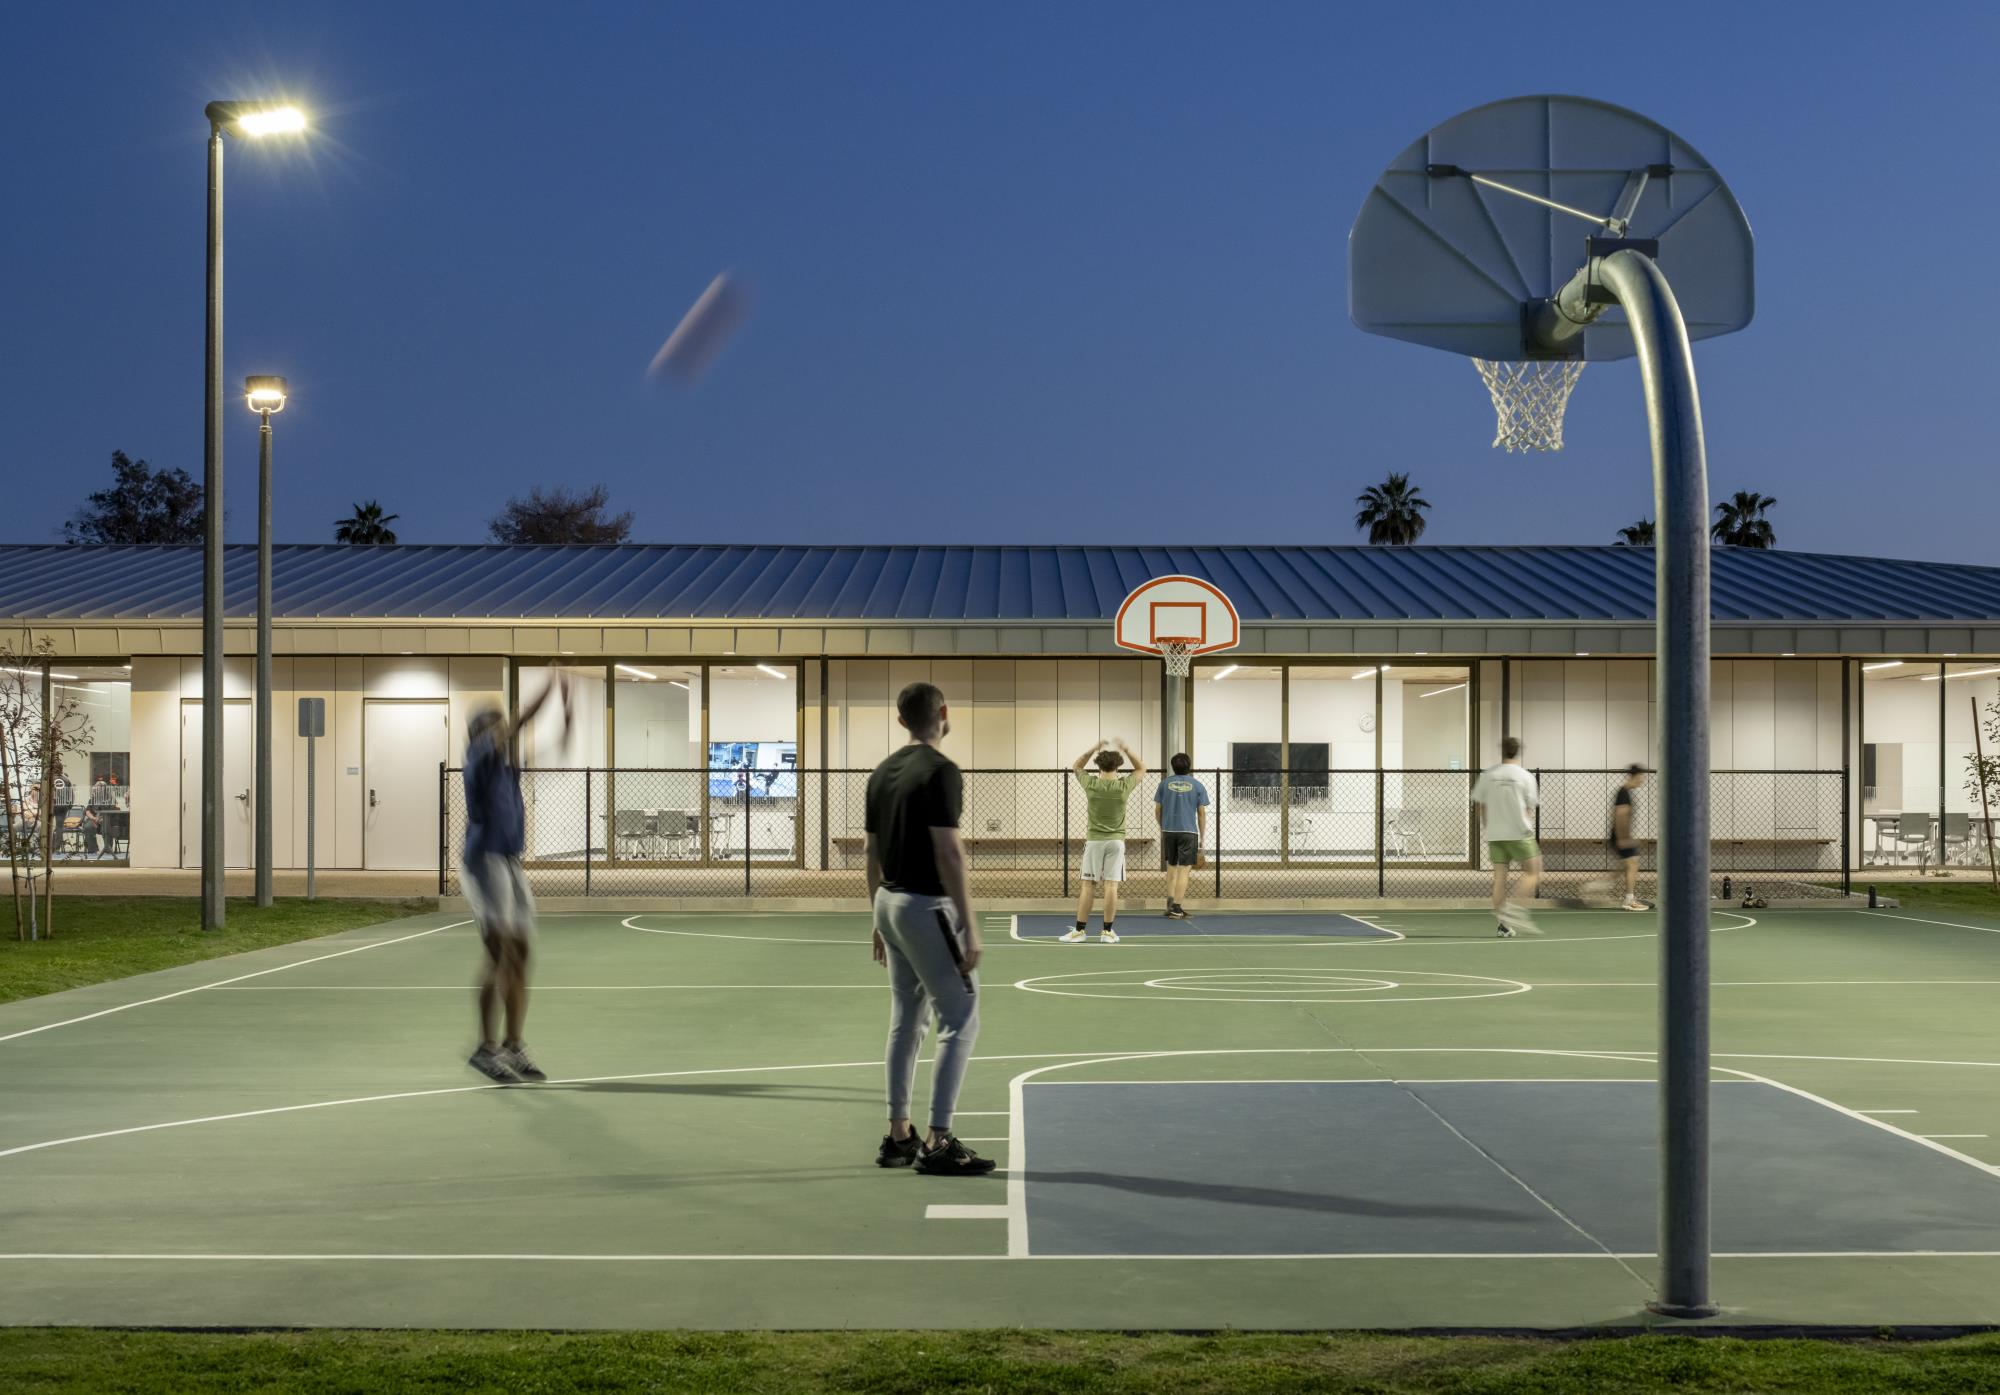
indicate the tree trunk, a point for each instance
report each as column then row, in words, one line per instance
column 7, row 833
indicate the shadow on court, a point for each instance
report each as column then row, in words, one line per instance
column 1236, row 1194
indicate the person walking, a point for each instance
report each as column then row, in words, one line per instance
column 1624, row 843
column 924, row 933
column 1180, row 807
column 496, row 888
column 1507, row 800
column 1105, row 794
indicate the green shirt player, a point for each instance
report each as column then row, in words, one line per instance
column 1105, row 792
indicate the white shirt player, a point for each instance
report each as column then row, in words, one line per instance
column 1508, row 795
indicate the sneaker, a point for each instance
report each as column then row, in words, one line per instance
column 1177, row 912
column 952, row 1159
column 1517, row 919
column 1074, row 937
column 1107, row 936
column 1504, row 931
column 516, row 1059
column 895, row 1153
column 492, row 1064
column 1632, row 903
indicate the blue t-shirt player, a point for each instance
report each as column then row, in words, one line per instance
column 1181, row 806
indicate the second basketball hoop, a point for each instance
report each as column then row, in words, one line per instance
column 1177, row 617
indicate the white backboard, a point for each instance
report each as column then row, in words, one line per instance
column 1183, row 608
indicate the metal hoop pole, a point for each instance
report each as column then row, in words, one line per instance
column 1681, row 587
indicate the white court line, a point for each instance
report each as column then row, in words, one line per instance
column 1990, row 1169
column 1885, row 1111
column 1792, row 983
column 1401, row 1081
column 1950, row 924
column 714, row 935
column 547, row 1258
column 539, row 988
column 1953, row 1135
column 223, row 983
column 937, row 1211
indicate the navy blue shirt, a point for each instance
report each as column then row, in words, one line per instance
column 495, row 822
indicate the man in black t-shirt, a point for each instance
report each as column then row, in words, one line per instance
column 1624, row 842
column 924, row 933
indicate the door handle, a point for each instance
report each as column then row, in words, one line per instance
column 245, row 796
column 371, row 799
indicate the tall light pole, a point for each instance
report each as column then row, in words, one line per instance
column 254, row 119
column 266, row 394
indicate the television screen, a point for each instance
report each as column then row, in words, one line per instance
column 769, row 769
column 1255, row 766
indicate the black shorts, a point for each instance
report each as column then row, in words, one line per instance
column 1626, row 853
column 1179, row 849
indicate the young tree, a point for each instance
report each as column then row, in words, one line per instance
column 561, row 515
column 1982, row 776
column 1740, row 521
column 34, row 737
column 1638, row 534
column 142, row 505
column 367, row 525
column 1392, row 512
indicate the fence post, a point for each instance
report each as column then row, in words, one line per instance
column 444, row 814
column 1217, row 801
column 1381, row 832
column 1064, row 777
column 746, row 833
column 586, row 830
column 1846, row 851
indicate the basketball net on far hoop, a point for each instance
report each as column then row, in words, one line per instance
column 1178, row 654
column 1528, row 400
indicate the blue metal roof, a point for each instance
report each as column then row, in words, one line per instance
column 57, row 583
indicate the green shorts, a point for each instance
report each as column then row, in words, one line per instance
column 1514, row 850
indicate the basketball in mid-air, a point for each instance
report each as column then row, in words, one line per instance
column 702, row 332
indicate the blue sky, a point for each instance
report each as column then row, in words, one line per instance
column 1019, row 273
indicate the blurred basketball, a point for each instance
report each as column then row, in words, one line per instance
column 702, row 332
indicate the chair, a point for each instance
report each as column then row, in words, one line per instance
column 631, row 829
column 1955, row 833
column 673, row 828
column 1911, row 829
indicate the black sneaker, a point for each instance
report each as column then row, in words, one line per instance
column 516, row 1059
column 952, row 1159
column 492, row 1065
column 893, row 1153
column 1505, row 932
column 1177, row 912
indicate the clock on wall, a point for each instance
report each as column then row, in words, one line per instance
column 1368, row 721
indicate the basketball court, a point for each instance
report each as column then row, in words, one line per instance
column 1283, row 1120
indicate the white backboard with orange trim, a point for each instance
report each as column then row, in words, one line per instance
column 1175, row 611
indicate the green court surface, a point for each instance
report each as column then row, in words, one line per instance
column 1373, row 1120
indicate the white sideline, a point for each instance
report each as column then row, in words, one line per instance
column 222, row 983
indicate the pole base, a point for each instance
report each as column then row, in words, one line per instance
column 1684, row 1310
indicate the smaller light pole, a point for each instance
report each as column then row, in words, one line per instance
column 266, row 395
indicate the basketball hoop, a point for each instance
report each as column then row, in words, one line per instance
column 1528, row 400
column 1179, row 656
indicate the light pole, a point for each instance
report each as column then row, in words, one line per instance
column 266, row 395
column 254, row 119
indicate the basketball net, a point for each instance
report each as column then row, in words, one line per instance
column 1528, row 400
column 1179, row 656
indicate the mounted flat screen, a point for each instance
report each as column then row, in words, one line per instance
column 767, row 769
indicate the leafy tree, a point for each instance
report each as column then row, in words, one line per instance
column 367, row 525
column 1740, row 521
column 1392, row 512
column 561, row 515
column 1982, row 778
column 142, row 505
column 1638, row 534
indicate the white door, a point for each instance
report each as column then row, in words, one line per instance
column 402, row 744
column 238, row 773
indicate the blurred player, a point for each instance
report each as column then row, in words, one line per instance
column 1180, row 807
column 924, row 933
column 495, row 886
column 1104, row 796
column 1507, row 800
column 1623, row 843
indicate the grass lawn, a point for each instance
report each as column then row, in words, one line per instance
column 105, row 937
column 1978, row 898
column 35, row 1360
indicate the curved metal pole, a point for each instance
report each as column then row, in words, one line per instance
column 1680, row 498
column 211, row 561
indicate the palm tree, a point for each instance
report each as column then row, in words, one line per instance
column 1639, row 534
column 1392, row 512
column 368, row 525
column 1741, row 523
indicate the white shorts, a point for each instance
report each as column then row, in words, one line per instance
column 1104, row 860
column 496, row 891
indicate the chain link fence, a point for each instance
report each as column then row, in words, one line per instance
column 1272, row 834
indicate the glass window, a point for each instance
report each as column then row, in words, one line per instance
column 567, row 809
column 1899, row 759
column 93, row 796
column 1426, row 756
column 657, row 781
column 1239, row 731
column 1332, row 746
column 1971, row 710
column 752, row 760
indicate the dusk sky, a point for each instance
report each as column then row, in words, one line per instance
column 1019, row 273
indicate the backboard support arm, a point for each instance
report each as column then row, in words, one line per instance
column 1681, row 588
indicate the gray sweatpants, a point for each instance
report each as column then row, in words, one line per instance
column 925, row 944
